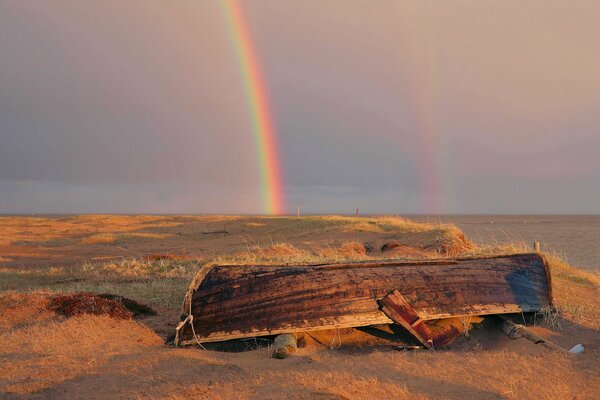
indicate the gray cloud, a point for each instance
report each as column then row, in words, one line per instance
column 139, row 107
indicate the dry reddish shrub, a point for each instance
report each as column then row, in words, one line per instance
column 350, row 249
column 73, row 304
column 395, row 249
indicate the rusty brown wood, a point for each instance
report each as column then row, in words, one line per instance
column 229, row 302
column 395, row 306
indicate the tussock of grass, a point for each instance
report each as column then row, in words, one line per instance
column 72, row 304
column 145, row 235
column 254, row 224
column 44, row 242
column 564, row 271
column 351, row 250
column 99, row 238
column 496, row 250
column 133, row 267
column 276, row 253
column 110, row 238
column 384, row 224
column 576, row 293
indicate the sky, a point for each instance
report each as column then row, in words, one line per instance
column 475, row 107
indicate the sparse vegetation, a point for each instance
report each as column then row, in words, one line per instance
column 43, row 350
column 100, row 238
column 78, row 303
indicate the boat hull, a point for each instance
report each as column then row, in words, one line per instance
column 231, row 302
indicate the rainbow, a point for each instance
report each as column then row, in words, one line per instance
column 422, row 88
column 263, row 129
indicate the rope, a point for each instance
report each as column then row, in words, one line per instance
column 337, row 335
column 190, row 319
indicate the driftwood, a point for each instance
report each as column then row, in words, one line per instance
column 230, row 302
column 516, row 331
column 284, row 345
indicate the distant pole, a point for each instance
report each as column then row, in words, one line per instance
column 298, row 212
column 356, row 212
column 536, row 247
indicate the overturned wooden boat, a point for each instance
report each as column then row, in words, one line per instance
column 238, row 301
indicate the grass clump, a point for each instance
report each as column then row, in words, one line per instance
column 134, row 267
column 339, row 223
column 275, row 253
column 99, row 238
column 73, row 304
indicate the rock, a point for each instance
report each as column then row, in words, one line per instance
column 577, row 349
column 284, row 345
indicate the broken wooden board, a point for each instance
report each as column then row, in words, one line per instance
column 229, row 302
column 435, row 333
column 395, row 306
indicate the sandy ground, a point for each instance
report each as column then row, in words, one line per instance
column 46, row 355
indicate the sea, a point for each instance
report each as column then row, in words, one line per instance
column 576, row 238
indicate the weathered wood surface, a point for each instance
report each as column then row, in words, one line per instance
column 516, row 331
column 230, row 302
column 395, row 306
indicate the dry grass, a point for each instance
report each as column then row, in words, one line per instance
column 285, row 253
column 134, row 267
column 37, row 357
column 30, row 229
column 145, row 235
column 72, row 357
column 254, row 224
column 576, row 293
column 99, row 238
column 20, row 309
column 345, row 252
column 338, row 223
column 110, row 238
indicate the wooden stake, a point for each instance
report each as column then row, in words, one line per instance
column 298, row 212
column 515, row 331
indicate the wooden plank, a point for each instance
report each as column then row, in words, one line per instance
column 395, row 306
column 242, row 301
